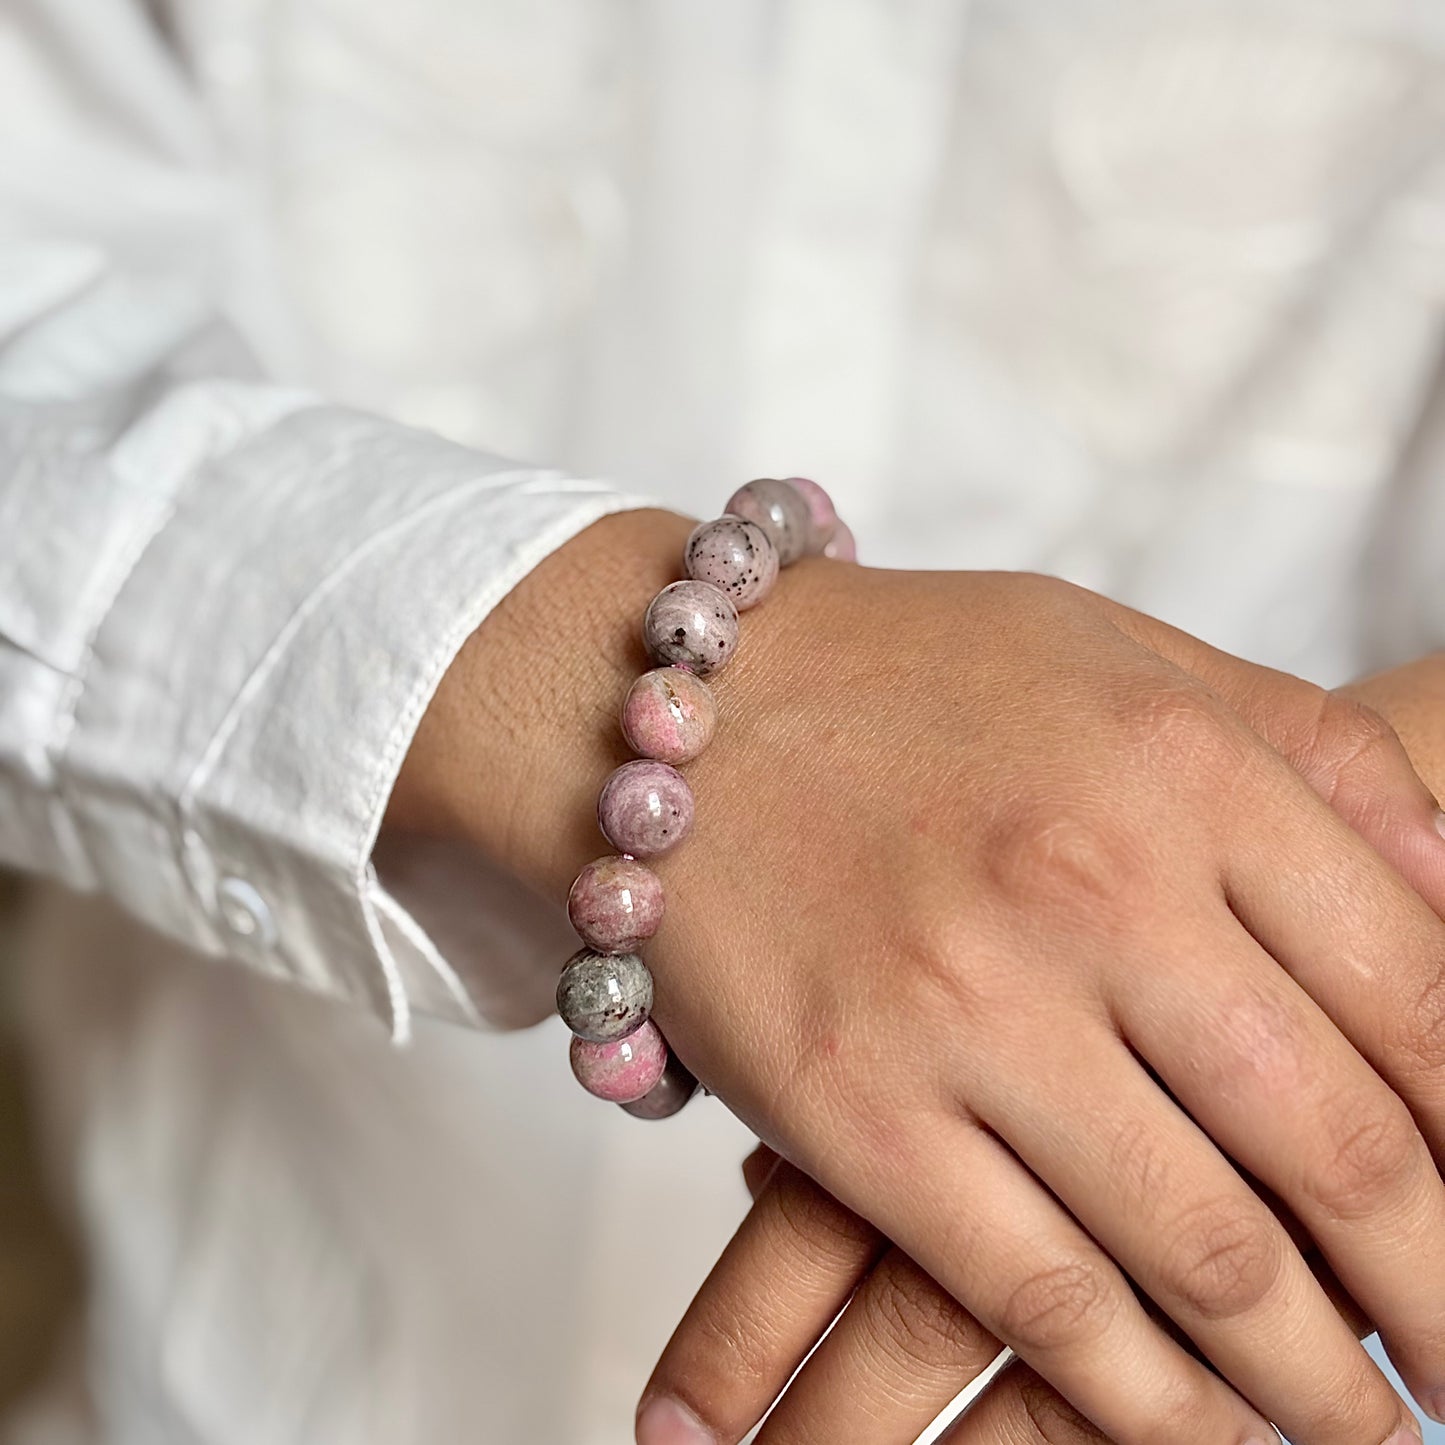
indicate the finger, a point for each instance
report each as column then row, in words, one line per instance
column 1047, row 1290
column 758, row 1169
column 901, row 1351
column 1346, row 751
column 777, row 1287
column 1372, row 956
column 1019, row 1408
column 1157, row 1194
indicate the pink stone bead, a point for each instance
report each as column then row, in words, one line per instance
column 779, row 509
column 616, row 904
column 624, row 1070
column 736, row 556
column 669, row 715
column 841, row 546
column 645, row 808
column 692, row 625
column 821, row 511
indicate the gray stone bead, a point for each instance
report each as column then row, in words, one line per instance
column 667, row 1096
column 736, row 556
column 692, row 625
column 604, row 996
column 780, row 510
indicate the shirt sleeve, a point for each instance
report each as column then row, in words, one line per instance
column 224, row 604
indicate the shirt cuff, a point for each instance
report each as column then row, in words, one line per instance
column 252, row 691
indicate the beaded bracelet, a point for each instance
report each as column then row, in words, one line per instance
column 646, row 807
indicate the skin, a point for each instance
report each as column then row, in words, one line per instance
column 1034, row 857
column 903, row 1349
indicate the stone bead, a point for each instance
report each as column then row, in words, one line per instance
column 623, row 1070
column 692, row 625
column 669, row 714
column 645, row 808
column 668, row 1095
column 821, row 511
column 779, row 509
column 604, row 996
column 615, row 904
column 841, row 545
column 736, row 556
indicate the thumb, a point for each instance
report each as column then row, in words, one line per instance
column 1345, row 749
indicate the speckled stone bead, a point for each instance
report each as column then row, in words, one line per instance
column 669, row 715
column 736, row 556
column 780, row 510
column 692, row 625
column 604, row 996
column 841, row 547
column 645, row 808
column 615, row 904
column 667, row 1096
column 623, row 1070
column 821, row 511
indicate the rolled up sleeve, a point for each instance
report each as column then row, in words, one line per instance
column 223, row 668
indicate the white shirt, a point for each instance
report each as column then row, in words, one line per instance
column 1149, row 294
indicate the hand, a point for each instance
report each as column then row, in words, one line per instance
column 904, row 1349
column 901, row 1351
column 976, row 853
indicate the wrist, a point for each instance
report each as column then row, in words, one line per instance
column 510, row 752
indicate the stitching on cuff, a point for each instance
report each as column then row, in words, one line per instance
column 417, row 936
column 390, row 970
column 264, row 666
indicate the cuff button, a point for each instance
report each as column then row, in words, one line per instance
column 245, row 912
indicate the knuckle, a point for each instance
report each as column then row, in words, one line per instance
column 1225, row 1258
column 1424, row 1040
column 1350, row 747
column 1368, row 1152
column 1186, row 1408
column 740, row 1350
column 1048, row 1419
column 1045, row 854
column 1362, row 1405
column 914, row 1320
column 1057, row 1308
column 1178, row 725
column 815, row 1225
column 934, row 972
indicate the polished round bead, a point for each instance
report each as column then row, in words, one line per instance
column 779, row 509
column 669, row 715
column 821, row 511
column 736, row 556
column 623, row 1070
column 841, row 545
column 667, row 1096
column 615, row 904
column 604, row 996
column 645, row 808
column 692, row 625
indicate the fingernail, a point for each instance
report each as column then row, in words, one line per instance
column 665, row 1421
column 1440, row 821
column 1433, row 1403
column 1410, row 1434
